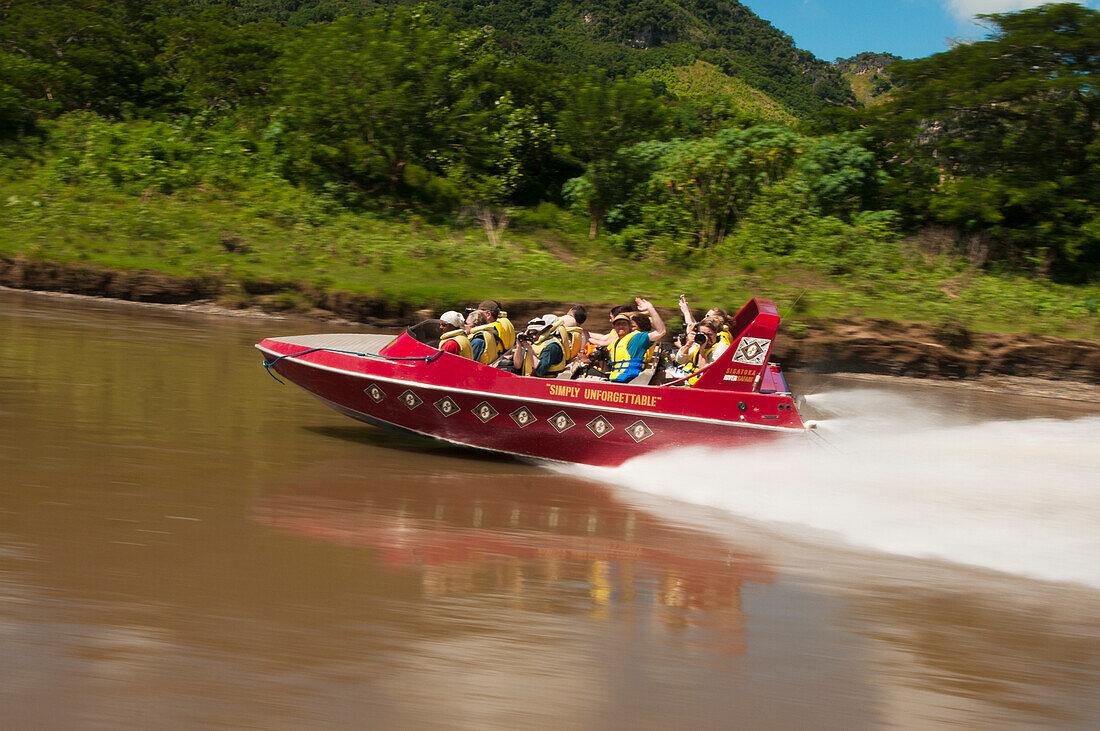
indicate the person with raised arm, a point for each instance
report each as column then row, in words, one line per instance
column 690, row 325
column 628, row 351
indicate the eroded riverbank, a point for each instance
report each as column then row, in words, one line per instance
column 825, row 345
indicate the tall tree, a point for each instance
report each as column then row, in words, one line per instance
column 381, row 102
column 600, row 115
column 90, row 54
column 1006, row 131
column 217, row 64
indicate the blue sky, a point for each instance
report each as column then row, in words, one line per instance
column 832, row 29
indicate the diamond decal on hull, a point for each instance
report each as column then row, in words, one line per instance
column 523, row 416
column 485, row 412
column 447, row 406
column 600, row 426
column 375, row 392
column 561, row 422
column 638, row 431
column 411, row 400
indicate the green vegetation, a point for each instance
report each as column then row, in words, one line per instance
column 718, row 99
column 293, row 147
column 869, row 76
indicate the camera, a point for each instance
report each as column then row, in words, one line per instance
column 682, row 338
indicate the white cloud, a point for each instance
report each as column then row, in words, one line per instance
column 964, row 10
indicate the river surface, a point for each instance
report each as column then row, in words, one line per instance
column 186, row 543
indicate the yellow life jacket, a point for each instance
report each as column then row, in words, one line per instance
column 575, row 339
column 623, row 368
column 726, row 337
column 506, row 332
column 694, row 364
column 492, row 342
column 463, row 340
column 558, row 335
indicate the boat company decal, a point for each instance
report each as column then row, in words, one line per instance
column 600, row 426
column 604, row 395
column 638, row 431
column 411, row 399
column 739, row 374
column 752, row 351
column 485, row 411
column 523, row 416
column 375, row 392
column 561, row 421
column 447, row 406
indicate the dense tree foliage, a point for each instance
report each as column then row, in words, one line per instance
column 626, row 112
column 1000, row 138
column 622, row 37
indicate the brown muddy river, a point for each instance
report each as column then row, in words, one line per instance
column 186, row 543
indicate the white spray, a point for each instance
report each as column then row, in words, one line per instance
column 1015, row 496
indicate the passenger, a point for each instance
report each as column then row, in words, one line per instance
column 629, row 348
column 507, row 362
column 476, row 319
column 454, row 338
column 572, row 321
column 542, row 350
column 642, row 323
column 598, row 339
column 578, row 336
column 689, row 320
column 726, row 335
column 693, row 356
column 429, row 331
column 490, row 340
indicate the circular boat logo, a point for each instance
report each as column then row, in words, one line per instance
column 639, row 431
column 484, row 411
column 600, row 426
column 447, row 406
column 522, row 416
column 561, row 421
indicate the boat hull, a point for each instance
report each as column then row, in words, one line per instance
column 464, row 403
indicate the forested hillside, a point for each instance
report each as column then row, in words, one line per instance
column 622, row 37
column 273, row 141
column 869, row 76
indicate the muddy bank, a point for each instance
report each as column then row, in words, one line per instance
column 870, row 345
column 826, row 345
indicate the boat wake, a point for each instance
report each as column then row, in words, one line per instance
column 1022, row 497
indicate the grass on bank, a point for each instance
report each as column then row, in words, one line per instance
column 280, row 235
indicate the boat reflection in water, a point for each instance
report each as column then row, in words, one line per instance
column 542, row 541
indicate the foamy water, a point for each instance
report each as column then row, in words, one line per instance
column 1016, row 496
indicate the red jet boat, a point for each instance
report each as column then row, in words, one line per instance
column 400, row 383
